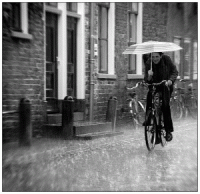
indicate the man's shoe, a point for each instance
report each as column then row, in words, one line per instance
column 169, row 136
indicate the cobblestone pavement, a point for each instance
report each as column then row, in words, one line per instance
column 118, row 163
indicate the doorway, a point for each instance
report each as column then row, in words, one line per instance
column 51, row 63
column 71, row 56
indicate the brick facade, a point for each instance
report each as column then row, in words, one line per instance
column 23, row 70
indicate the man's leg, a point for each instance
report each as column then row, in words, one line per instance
column 167, row 113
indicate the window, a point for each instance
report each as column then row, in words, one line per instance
column 177, row 54
column 195, row 53
column 53, row 4
column 16, row 17
column 187, row 54
column 103, row 37
column 20, row 21
column 132, row 36
column 72, row 7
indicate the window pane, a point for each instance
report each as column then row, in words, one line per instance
column 177, row 54
column 103, row 39
column 135, row 7
column 104, row 23
column 104, row 56
column 132, row 64
column 53, row 4
column 72, row 7
column 133, row 28
column 16, row 17
column 195, row 60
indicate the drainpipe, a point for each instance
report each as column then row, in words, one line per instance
column 91, row 61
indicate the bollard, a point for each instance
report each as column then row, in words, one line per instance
column 25, row 123
column 67, row 116
column 112, row 111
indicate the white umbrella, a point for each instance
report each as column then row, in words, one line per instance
column 150, row 47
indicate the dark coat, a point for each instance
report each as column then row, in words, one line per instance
column 164, row 70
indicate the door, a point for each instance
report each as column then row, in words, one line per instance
column 51, row 65
column 71, row 56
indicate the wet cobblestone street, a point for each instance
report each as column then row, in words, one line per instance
column 118, row 163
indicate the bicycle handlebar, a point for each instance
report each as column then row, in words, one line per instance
column 182, row 80
column 146, row 84
column 154, row 84
column 134, row 87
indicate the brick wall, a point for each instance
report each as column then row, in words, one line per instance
column 23, row 70
column 154, row 23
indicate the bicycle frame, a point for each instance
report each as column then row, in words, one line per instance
column 135, row 105
column 156, row 103
column 155, row 128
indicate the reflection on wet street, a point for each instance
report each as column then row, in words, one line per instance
column 119, row 163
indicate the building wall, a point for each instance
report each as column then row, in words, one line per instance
column 23, row 70
column 23, row 60
column 155, row 21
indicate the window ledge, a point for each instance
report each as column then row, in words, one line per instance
column 135, row 76
column 53, row 10
column 106, row 76
column 72, row 14
column 21, row 35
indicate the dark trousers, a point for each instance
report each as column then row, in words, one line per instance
column 165, row 96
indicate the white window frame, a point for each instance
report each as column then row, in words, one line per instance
column 24, row 23
column 138, row 40
column 62, row 49
column 111, row 44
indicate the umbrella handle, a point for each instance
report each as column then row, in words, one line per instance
column 151, row 61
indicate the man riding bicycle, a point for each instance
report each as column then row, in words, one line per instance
column 162, row 69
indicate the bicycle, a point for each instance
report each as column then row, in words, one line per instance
column 191, row 101
column 177, row 109
column 184, row 102
column 154, row 129
column 136, row 107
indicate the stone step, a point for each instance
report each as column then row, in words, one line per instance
column 90, row 136
column 91, row 127
column 54, row 118
column 80, row 129
column 57, row 117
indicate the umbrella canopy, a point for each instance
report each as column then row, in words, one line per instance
column 152, row 46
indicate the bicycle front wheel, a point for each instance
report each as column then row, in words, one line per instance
column 141, row 113
column 162, row 132
column 192, row 107
column 176, row 109
column 150, row 130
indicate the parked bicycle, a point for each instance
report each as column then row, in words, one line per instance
column 177, row 107
column 154, row 129
column 184, row 102
column 136, row 107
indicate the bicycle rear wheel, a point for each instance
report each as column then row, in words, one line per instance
column 150, row 131
column 141, row 113
column 133, row 112
column 192, row 107
column 162, row 133
column 176, row 109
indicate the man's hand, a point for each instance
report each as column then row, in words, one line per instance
column 168, row 83
column 150, row 74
